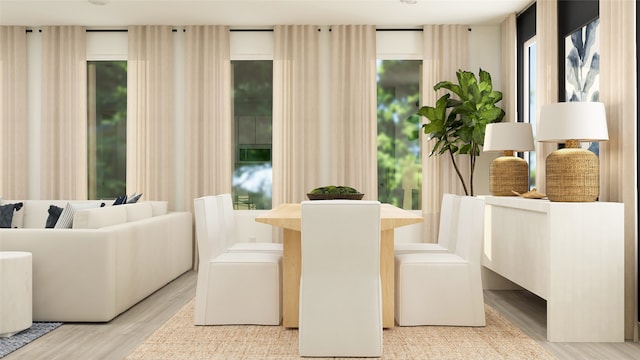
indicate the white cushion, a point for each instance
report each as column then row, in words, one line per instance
column 66, row 218
column 157, row 207
column 99, row 217
column 138, row 211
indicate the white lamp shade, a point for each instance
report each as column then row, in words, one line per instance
column 508, row 136
column 582, row 121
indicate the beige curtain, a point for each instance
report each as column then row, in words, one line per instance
column 509, row 58
column 64, row 113
column 150, row 113
column 446, row 50
column 13, row 113
column 295, row 112
column 618, row 156
column 353, row 119
column 547, row 68
column 208, row 122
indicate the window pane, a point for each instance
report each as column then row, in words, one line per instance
column 399, row 155
column 252, row 107
column 107, row 128
column 530, row 104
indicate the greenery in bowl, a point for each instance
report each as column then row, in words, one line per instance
column 334, row 192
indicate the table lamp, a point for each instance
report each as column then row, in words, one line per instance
column 573, row 173
column 508, row 173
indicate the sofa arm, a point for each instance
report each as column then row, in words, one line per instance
column 73, row 272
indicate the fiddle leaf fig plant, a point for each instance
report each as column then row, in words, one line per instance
column 458, row 123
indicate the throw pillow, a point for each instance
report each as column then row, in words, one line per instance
column 65, row 221
column 120, row 200
column 54, row 215
column 6, row 215
column 134, row 198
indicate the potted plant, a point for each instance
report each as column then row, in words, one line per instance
column 458, row 123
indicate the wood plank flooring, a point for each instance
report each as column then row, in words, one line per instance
column 116, row 339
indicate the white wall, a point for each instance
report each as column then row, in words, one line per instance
column 484, row 49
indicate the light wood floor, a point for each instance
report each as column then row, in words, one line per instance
column 116, row 339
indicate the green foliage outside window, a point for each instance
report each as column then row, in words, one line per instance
column 107, row 127
column 399, row 162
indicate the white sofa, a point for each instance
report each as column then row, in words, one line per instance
column 111, row 258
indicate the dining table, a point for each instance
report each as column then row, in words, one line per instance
column 288, row 217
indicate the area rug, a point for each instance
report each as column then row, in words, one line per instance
column 179, row 339
column 15, row 342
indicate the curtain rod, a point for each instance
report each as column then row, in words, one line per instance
column 238, row 30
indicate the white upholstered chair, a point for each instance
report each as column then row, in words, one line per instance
column 340, row 290
column 232, row 288
column 449, row 209
column 233, row 245
column 444, row 288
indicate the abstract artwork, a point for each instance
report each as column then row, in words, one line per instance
column 583, row 63
column 582, row 69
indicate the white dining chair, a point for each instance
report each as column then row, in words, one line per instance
column 232, row 288
column 233, row 245
column 447, row 230
column 444, row 288
column 340, row 313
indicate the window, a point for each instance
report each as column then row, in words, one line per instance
column 252, row 107
column 526, row 35
column 107, row 128
column 530, row 103
column 399, row 159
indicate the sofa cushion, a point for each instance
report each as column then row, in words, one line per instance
column 54, row 215
column 158, row 207
column 66, row 218
column 18, row 218
column 138, row 211
column 99, row 217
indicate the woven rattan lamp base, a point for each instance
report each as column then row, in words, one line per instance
column 573, row 175
column 508, row 174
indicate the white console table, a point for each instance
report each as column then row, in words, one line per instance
column 570, row 254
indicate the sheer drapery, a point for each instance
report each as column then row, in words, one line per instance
column 353, row 119
column 13, row 113
column 618, row 156
column 64, row 113
column 150, row 113
column 547, row 68
column 446, row 50
column 208, row 123
column 509, row 59
column 296, row 153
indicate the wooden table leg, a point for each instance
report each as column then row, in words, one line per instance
column 387, row 278
column 291, row 269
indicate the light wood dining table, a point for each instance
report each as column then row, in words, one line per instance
column 287, row 216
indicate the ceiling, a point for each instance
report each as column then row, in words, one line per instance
column 256, row 13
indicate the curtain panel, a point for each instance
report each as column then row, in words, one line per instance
column 547, row 68
column 64, row 113
column 618, row 156
column 509, row 60
column 296, row 120
column 14, row 178
column 150, row 113
column 208, row 113
column 446, row 50
column 353, row 116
